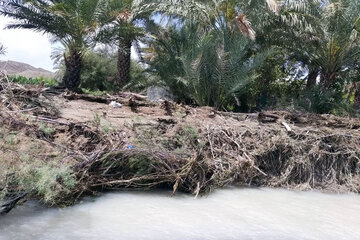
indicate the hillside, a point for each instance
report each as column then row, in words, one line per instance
column 23, row 69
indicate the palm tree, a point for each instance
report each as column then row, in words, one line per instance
column 118, row 28
column 324, row 35
column 208, row 12
column 210, row 58
column 71, row 22
column 124, row 23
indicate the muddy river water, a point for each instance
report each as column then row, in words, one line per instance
column 239, row 214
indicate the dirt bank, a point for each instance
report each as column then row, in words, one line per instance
column 57, row 146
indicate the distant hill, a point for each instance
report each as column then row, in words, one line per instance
column 23, row 69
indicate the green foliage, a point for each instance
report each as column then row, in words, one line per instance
column 72, row 23
column 29, row 166
column 96, row 120
column 191, row 135
column 210, row 68
column 49, row 181
column 48, row 82
column 93, row 93
column 235, row 55
column 139, row 80
column 99, row 68
column 107, row 128
column 318, row 100
column 11, row 139
column 99, row 71
column 46, row 130
column 140, row 165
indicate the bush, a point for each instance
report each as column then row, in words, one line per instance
column 320, row 100
column 139, row 81
column 50, row 182
column 99, row 68
column 29, row 165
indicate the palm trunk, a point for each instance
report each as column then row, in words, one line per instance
column 328, row 79
column 124, row 62
column 311, row 79
column 73, row 64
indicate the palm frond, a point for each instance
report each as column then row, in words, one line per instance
column 2, row 49
column 244, row 25
column 273, row 5
column 189, row 9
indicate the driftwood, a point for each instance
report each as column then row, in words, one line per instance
column 90, row 98
column 10, row 204
column 267, row 117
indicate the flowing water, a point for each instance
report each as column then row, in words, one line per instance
column 225, row 214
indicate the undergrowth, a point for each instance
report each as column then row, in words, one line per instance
column 48, row 82
column 31, row 166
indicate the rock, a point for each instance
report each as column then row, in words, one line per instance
column 115, row 104
column 158, row 93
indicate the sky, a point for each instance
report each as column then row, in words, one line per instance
column 29, row 47
column 25, row 46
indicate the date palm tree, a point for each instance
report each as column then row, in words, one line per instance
column 73, row 23
column 209, row 12
column 322, row 34
column 207, row 54
column 118, row 28
column 123, row 24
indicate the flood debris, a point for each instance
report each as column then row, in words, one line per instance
column 10, row 204
column 194, row 153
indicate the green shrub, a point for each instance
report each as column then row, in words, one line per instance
column 320, row 100
column 49, row 181
column 139, row 81
column 99, row 68
column 46, row 130
column 48, row 82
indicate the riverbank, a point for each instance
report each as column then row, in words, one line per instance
column 58, row 146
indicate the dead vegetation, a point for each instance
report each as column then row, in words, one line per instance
column 145, row 145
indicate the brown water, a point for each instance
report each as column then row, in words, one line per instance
column 224, row 214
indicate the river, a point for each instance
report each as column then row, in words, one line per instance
column 231, row 213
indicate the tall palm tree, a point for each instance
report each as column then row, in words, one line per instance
column 124, row 23
column 70, row 22
column 119, row 28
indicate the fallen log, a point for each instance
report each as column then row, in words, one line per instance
column 11, row 204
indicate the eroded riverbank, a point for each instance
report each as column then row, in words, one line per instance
column 225, row 214
column 58, row 147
